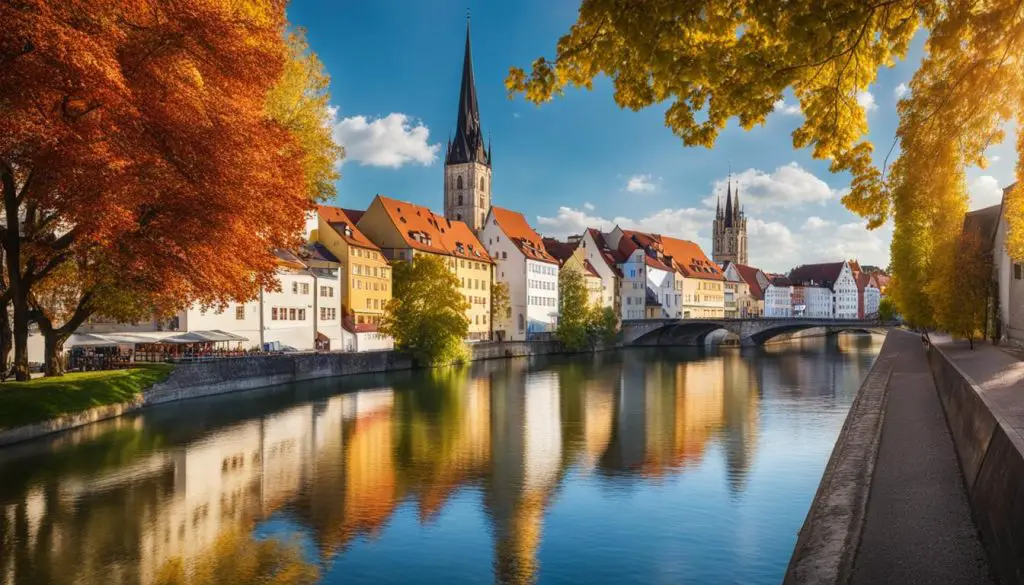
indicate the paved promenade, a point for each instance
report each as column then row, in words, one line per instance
column 917, row 527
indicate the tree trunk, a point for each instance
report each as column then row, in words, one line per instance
column 970, row 340
column 12, row 255
column 5, row 337
column 53, row 343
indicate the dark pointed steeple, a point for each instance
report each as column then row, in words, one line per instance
column 468, row 144
column 728, row 204
column 718, row 206
column 738, row 211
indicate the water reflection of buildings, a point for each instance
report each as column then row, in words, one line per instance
column 342, row 466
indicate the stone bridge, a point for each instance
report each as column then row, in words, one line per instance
column 748, row 332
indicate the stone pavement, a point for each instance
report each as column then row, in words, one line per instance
column 917, row 527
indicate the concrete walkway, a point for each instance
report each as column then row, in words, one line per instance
column 917, row 526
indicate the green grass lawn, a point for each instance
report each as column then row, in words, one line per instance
column 23, row 403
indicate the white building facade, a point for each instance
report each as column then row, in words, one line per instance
column 778, row 298
column 530, row 273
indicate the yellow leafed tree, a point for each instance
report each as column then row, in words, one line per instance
column 713, row 61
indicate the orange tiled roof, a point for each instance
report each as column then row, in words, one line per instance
column 344, row 221
column 522, row 235
column 690, row 259
column 421, row 228
column 461, row 242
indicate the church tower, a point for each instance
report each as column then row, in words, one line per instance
column 729, row 238
column 467, row 163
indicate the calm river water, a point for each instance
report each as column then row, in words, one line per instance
column 638, row 466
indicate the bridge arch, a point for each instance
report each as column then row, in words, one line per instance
column 682, row 332
column 748, row 332
column 764, row 335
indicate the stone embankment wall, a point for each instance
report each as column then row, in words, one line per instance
column 199, row 379
column 986, row 422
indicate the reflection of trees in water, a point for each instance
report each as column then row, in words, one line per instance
column 341, row 464
column 237, row 558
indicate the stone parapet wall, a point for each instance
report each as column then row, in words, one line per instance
column 985, row 421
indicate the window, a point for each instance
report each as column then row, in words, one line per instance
column 458, row 185
column 295, row 288
column 273, row 314
column 369, row 304
column 522, row 322
column 460, row 196
column 302, row 314
column 482, row 184
column 240, row 312
column 291, row 314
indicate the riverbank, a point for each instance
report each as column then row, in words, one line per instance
column 891, row 506
column 81, row 399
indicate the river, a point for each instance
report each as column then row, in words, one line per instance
column 635, row 466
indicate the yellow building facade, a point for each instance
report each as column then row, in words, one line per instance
column 401, row 230
column 366, row 272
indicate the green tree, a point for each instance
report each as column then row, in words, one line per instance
column 427, row 314
column 573, row 313
column 499, row 303
column 602, row 324
column 886, row 310
column 712, row 61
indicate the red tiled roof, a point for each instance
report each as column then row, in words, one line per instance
column 339, row 219
column 611, row 257
column 749, row 275
column 561, row 251
column 461, row 242
column 780, row 281
column 690, row 259
column 590, row 269
column 824, row 275
column 521, row 234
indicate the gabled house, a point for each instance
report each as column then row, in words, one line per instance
column 824, row 291
column 605, row 262
column 747, row 285
column 365, row 283
column 403, row 230
column 531, row 273
column 570, row 257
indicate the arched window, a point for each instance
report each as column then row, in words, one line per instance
column 458, row 182
column 522, row 322
column 458, row 216
column 460, row 186
column 482, row 184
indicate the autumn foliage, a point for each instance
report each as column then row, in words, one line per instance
column 141, row 157
column 714, row 61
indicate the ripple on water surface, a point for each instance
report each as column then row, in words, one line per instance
column 624, row 467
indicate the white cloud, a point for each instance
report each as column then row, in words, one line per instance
column 776, row 248
column 985, row 191
column 900, row 91
column 866, row 100
column 994, row 158
column 788, row 109
column 640, row 184
column 786, row 187
column 391, row 141
column 816, row 223
column 588, row 206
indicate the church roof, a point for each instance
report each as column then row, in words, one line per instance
column 468, row 143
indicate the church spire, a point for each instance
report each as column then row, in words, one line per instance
column 737, row 202
column 728, row 203
column 468, row 145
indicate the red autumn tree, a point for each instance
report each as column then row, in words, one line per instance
column 138, row 157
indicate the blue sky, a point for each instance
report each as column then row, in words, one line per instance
column 579, row 160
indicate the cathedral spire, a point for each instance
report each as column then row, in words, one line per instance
column 728, row 203
column 737, row 203
column 468, row 145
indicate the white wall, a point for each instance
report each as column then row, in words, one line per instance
column 872, row 299
column 818, row 302
column 509, row 268
column 592, row 253
column 663, row 284
column 541, row 296
column 296, row 295
column 778, row 301
column 845, row 298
